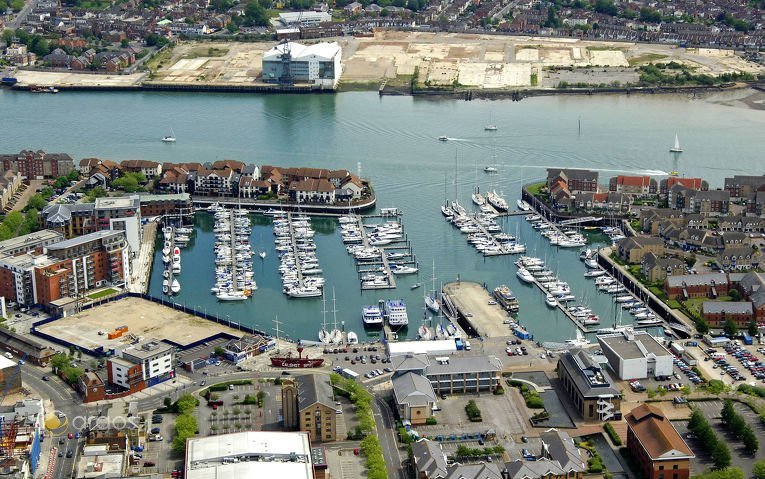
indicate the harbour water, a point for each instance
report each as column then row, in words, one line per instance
column 394, row 140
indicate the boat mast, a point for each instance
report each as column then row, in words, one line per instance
column 334, row 311
column 277, row 323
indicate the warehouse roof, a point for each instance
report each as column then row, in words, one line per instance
column 633, row 345
column 250, row 454
column 703, row 279
column 732, row 307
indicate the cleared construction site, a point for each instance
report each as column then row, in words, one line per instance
column 428, row 60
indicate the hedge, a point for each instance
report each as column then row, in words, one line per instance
column 474, row 414
column 224, row 386
column 612, row 434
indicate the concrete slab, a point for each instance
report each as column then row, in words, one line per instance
column 608, row 58
column 143, row 319
column 472, row 299
column 527, row 55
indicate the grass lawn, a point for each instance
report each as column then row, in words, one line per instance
column 101, row 294
column 535, row 189
column 206, row 52
column 647, row 58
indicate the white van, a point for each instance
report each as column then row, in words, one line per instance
column 467, row 345
column 9, row 355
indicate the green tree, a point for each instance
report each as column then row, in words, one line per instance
column 186, row 403
column 734, row 294
column 167, row 402
column 219, row 351
column 728, row 413
column 61, row 182
column 32, row 220
column 255, row 15
column 702, row 326
column 37, row 202
column 606, row 7
column 730, row 327
column 727, row 473
column 758, row 471
column 73, row 175
column 752, row 329
column 125, row 43
column 751, row 444
column 721, row 455
column 737, row 425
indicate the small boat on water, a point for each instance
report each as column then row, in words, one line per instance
column 524, row 275
column 523, row 206
column 353, row 338
column 166, row 286
column 415, row 286
column 676, row 147
column 443, row 138
column 262, row 255
column 551, row 301
column 175, row 286
column 424, row 333
column 231, row 296
column 490, row 169
column 591, row 263
column 169, row 138
column 594, row 273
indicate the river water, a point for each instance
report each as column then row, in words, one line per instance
column 393, row 141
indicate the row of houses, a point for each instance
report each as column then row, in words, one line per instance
column 33, row 165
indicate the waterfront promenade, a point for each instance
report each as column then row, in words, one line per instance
column 140, row 272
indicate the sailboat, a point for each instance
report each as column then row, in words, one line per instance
column 336, row 336
column 445, row 209
column 431, row 300
column 676, row 147
column 262, row 254
column 169, row 138
column 491, row 126
column 175, row 286
column 166, row 286
column 477, row 197
column 492, row 168
column 324, row 335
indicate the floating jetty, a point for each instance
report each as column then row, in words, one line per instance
column 381, row 251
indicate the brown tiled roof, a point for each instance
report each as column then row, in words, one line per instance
column 224, row 164
column 139, row 164
column 633, row 180
column 656, row 434
column 320, row 185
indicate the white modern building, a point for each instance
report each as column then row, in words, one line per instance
column 317, row 64
column 304, row 19
column 250, row 454
column 636, row 355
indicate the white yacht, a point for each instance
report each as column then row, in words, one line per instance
column 395, row 312
column 371, row 315
column 353, row 338
column 551, row 301
column 231, row 295
column 524, row 275
column 175, row 286
column 523, row 206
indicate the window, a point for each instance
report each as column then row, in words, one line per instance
column 675, row 466
column 675, row 475
column 661, row 468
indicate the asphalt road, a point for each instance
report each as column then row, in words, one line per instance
column 14, row 24
column 65, row 400
column 385, row 427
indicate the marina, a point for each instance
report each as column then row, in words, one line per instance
column 299, row 264
column 234, row 277
column 381, row 251
column 401, row 156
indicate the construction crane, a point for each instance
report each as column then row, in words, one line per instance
column 8, row 432
column 286, row 57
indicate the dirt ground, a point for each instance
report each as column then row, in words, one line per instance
column 143, row 318
column 440, row 59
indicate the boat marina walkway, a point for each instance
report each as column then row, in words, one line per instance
column 471, row 302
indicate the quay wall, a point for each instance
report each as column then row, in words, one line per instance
column 678, row 323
